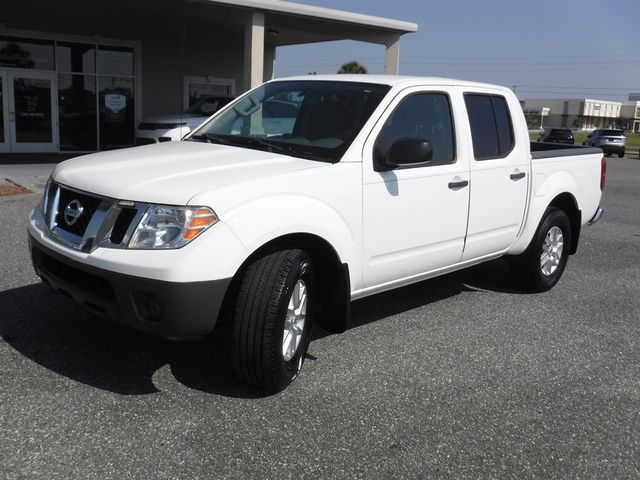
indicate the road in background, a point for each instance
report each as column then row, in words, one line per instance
column 457, row 377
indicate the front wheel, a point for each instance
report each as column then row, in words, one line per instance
column 621, row 154
column 541, row 265
column 272, row 319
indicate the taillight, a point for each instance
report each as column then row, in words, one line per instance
column 603, row 173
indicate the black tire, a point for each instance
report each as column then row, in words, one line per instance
column 621, row 154
column 258, row 319
column 526, row 268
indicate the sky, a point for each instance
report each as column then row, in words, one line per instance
column 541, row 48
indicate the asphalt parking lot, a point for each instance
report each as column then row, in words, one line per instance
column 458, row 377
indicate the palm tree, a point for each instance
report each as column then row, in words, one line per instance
column 352, row 67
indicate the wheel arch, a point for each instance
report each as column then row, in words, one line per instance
column 559, row 191
column 568, row 204
column 333, row 277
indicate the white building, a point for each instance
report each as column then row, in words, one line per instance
column 583, row 113
column 631, row 113
column 78, row 75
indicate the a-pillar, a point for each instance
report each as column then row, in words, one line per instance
column 254, row 51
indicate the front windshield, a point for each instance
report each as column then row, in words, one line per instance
column 311, row 119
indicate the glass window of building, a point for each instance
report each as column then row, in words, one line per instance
column 117, row 112
column 75, row 57
column 21, row 53
column 77, row 112
column 115, row 61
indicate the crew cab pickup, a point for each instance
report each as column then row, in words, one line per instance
column 270, row 224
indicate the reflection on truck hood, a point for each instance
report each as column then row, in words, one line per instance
column 180, row 118
column 172, row 172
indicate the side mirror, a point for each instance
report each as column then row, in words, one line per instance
column 403, row 153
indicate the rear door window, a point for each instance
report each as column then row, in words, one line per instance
column 491, row 127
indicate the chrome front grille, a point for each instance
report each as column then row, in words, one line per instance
column 89, row 205
column 85, row 221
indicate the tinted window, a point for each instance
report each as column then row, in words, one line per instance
column 503, row 124
column 561, row 134
column 491, row 128
column 116, row 110
column 613, row 133
column 115, row 60
column 77, row 112
column 20, row 53
column 426, row 116
column 75, row 57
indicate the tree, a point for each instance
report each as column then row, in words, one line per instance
column 352, row 67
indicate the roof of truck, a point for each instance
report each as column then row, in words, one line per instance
column 393, row 80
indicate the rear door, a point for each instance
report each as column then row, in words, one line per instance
column 500, row 168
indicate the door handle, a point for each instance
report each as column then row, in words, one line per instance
column 12, row 116
column 458, row 185
column 517, row 176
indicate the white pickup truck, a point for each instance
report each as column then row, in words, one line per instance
column 270, row 224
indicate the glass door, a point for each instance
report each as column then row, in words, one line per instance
column 4, row 113
column 32, row 111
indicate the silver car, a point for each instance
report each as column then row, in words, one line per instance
column 609, row 140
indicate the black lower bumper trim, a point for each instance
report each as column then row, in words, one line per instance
column 169, row 309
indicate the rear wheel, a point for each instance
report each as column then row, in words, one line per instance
column 621, row 154
column 541, row 265
column 272, row 319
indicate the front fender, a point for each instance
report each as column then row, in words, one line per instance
column 263, row 219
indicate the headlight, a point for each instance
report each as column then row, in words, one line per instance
column 164, row 226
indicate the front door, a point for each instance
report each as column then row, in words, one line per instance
column 29, row 113
column 414, row 218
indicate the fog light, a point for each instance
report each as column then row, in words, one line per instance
column 148, row 306
column 154, row 308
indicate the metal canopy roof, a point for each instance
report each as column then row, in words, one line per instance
column 288, row 23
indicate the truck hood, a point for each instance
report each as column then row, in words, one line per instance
column 172, row 172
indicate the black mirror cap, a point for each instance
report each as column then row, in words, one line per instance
column 403, row 153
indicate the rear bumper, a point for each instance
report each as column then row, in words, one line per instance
column 597, row 216
column 612, row 148
column 177, row 310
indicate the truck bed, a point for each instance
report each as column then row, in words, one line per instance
column 548, row 150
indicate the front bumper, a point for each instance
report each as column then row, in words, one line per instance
column 177, row 310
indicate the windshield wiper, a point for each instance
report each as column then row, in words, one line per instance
column 237, row 140
column 210, row 138
column 261, row 141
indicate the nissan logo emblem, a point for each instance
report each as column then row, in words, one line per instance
column 72, row 212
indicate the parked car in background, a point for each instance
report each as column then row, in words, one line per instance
column 557, row 135
column 167, row 128
column 608, row 139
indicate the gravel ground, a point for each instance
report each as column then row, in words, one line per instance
column 457, row 377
